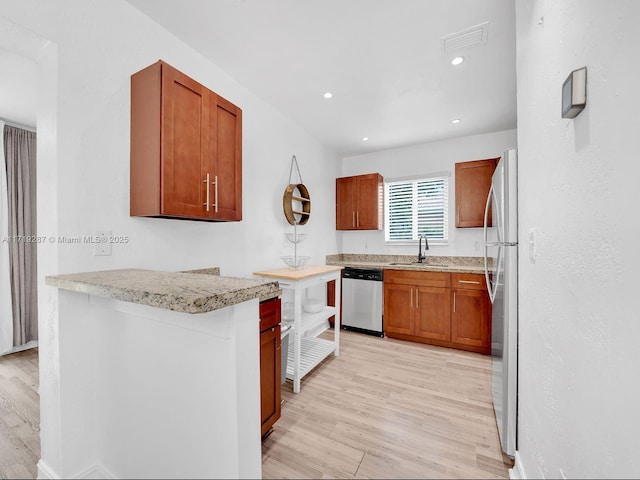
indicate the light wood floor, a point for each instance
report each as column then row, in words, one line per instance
column 388, row 409
column 383, row 409
column 19, row 415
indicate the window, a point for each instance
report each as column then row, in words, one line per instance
column 417, row 206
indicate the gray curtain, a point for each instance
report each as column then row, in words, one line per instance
column 20, row 156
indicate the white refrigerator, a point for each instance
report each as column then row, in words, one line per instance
column 501, row 271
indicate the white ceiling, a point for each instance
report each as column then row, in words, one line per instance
column 381, row 59
column 17, row 89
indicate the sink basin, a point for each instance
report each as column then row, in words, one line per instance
column 406, row 263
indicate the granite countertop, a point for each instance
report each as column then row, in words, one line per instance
column 408, row 262
column 195, row 291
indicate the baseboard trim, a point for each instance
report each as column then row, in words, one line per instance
column 96, row 472
column 45, row 472
column 517, row 473
column 21, row 348
column 93, row 472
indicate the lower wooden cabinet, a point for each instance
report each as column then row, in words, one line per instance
column 399, row 312
column 433, row 319
column 470, row 312
column 449, row 310
column 270, row 363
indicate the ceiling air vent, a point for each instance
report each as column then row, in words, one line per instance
column 466, row 38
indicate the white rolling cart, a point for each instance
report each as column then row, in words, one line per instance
column 306, row 352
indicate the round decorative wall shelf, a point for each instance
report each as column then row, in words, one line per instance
column 296, row 201
column 296, row 204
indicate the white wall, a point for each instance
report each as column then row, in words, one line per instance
column 420, row 159
column 18, row 89
column 578, row 179
column 86, row 52
column 101, row 44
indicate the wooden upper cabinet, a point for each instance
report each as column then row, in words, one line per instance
column 227, row 161
column 359, row 201
column 184, row 136
column 186, row 148
column 473, row 181
column 346, row 203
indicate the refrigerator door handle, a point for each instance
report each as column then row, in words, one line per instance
column 486, row 250
column 486, row 215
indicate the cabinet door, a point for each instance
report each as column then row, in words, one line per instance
column 185, row 145
column 345, row 203
column 471, row 318
column 398, row 308
column 369, row 201
column 331, row 300
column 225, row 160
column 270, row 363
column 473, row 181
column 433, row 313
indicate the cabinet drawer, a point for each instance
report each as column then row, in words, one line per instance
column 269, row 314
column 419, row 279
column 468, row 281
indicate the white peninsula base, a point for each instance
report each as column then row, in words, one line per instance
column 152, row 393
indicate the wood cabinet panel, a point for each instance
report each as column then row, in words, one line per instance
column 226, row 163
column 270, row 363
column 369, row 199
column 398, row 309
column 185, row 131
column 359, row 202
column 418, row 278
column 186, row 148
column 270, row 385
column 469, row 281
column 345, row 203
column 473, row 181
column 270, row 313
column 471, row 318
column 331, row 299
column 433, row 313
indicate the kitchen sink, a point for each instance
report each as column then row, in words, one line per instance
column 407, row 263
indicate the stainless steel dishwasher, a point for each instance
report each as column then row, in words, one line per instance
column 362, row 300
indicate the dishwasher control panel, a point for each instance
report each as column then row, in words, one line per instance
column 374, row 275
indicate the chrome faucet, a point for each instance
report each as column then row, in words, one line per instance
column 421, row 257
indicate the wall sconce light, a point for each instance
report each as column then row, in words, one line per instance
column 574, row 93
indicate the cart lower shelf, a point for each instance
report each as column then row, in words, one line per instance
column 313, row 351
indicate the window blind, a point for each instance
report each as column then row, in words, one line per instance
column 417, row 207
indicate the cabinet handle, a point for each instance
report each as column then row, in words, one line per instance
column 215, row 194
column 417, row 297
column 458, row 216
column 358, row 219
column 474, row 282
column 353, row 219
column 454, row 302
column 411, row 298
column 207, row 202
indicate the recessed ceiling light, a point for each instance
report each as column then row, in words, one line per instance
column 328, row 95
column 455, row 120
column 457, row 61
column 365, row 139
